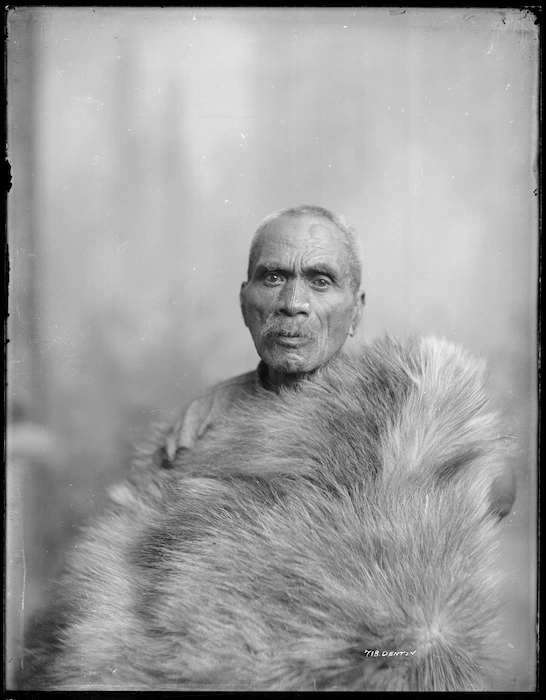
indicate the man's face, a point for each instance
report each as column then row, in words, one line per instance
column 298, row 303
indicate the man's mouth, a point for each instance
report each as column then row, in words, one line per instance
column 287, row 335
column 291, row 340
column 290, row 334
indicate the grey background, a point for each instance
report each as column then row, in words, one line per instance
column 146, row 145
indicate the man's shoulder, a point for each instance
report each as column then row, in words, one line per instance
column 205, row 410
column 227, row 390
column 241, row 380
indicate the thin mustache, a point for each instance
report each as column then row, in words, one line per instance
column 278, row 327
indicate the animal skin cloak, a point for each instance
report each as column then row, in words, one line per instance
column 337, row 536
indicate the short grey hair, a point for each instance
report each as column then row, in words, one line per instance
column 347, row 236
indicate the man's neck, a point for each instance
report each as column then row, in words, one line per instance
column 274, row 379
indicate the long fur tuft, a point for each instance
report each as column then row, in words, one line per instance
column 337, row 536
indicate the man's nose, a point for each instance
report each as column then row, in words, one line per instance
column 295, row 298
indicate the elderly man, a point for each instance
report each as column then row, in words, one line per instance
column 275, row 566
column 301, row 302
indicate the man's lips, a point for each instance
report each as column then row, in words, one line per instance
column 291, row 340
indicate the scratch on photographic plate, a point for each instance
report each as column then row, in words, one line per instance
column 22, row 614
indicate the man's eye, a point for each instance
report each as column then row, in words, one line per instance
column 272, row 278
column 321, row 282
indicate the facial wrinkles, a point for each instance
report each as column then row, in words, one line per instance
column 321, row 245
column 296, row 250
column 317, row 306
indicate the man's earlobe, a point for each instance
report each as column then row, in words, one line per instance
column 242, row 301
column 357, row 313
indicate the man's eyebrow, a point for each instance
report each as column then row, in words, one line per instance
column 317, row 268
column 268, row 267
column 322, row 269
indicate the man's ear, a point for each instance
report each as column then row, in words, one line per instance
column 357, row 312
column 242, row 302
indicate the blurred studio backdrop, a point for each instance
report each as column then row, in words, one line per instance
column 146, row 145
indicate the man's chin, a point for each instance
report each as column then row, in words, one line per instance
column 289, row 362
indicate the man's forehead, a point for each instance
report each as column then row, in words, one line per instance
column 306, row 235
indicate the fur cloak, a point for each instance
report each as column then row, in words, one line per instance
column 336, row 536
